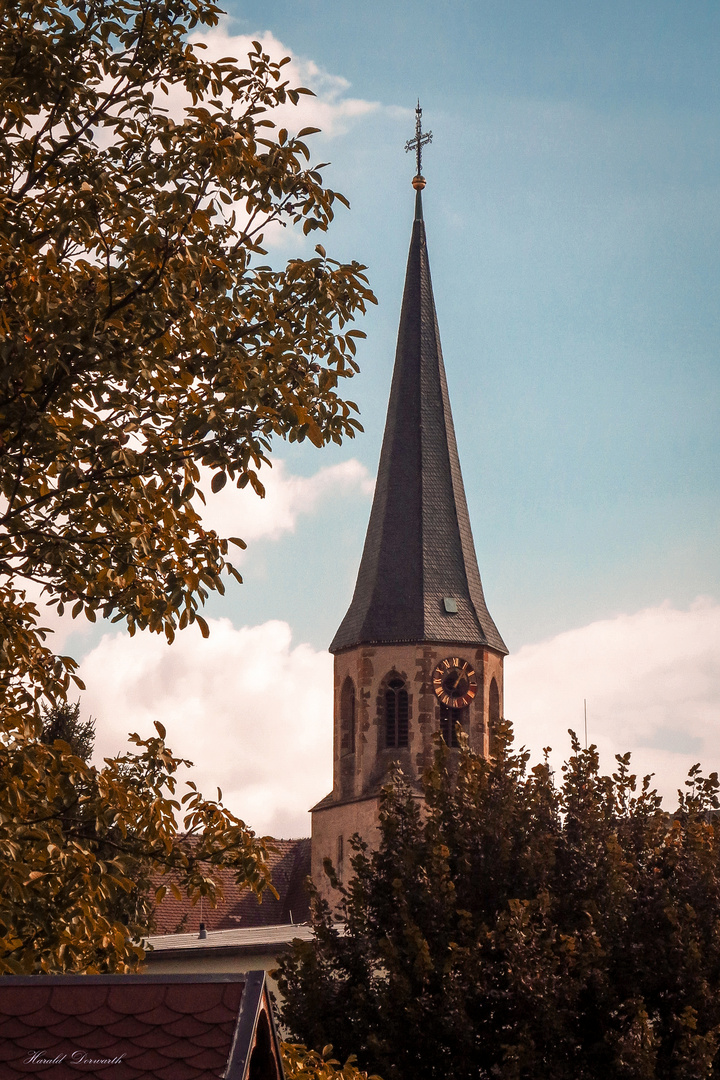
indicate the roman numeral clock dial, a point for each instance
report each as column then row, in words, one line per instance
column 455, row 682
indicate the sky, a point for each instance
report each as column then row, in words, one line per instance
column 573, row 219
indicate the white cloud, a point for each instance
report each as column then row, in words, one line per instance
column 234, row 512
column 652, row 685
column 252, row 711
column 331, row 109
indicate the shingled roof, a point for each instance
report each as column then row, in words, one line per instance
column 289, row 864
column 138, row 1027
column 419, row 548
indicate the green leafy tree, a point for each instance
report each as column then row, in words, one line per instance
column 86, row 852
column 143, row 334
column 300, row 1063
column 63, row 723
column 143, row 338
column 517, row 928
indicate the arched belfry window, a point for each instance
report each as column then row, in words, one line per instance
column 449, row 719
column 493, row 713
column 397, row 711
column 347, row 717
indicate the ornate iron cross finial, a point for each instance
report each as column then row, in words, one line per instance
column 418, row 142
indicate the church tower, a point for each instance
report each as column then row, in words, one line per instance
column 417, row 651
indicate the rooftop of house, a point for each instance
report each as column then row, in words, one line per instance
column 245, row 940
column 239, row 908
column 178, row 1027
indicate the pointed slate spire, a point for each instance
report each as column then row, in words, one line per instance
column 419, row 557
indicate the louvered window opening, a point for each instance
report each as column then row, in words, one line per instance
column 449, row 719
column 397, row 711
column 347, row 718
column 494, row 715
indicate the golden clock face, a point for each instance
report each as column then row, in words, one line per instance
column 455, row 682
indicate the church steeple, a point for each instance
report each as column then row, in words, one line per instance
column 417, row 654
column 418, row 579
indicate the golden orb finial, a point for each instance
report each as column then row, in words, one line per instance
column 418, row 182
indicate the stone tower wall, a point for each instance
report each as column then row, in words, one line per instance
column 355, row 775
column 353, row 805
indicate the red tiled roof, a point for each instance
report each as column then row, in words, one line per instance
column 122, row 1027
column 289, row 867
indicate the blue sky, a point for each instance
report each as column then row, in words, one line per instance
column 573, row 217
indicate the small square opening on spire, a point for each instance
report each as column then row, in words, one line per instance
column 450, row 605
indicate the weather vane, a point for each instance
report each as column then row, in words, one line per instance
column 417, row 144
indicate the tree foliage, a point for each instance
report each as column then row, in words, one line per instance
column 63, row 722
column 84, row 851
column 300, row 1063
column 147, row 350
column 517, row 928
column 143, row 335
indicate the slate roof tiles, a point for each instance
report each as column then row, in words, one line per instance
column 419, row 547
